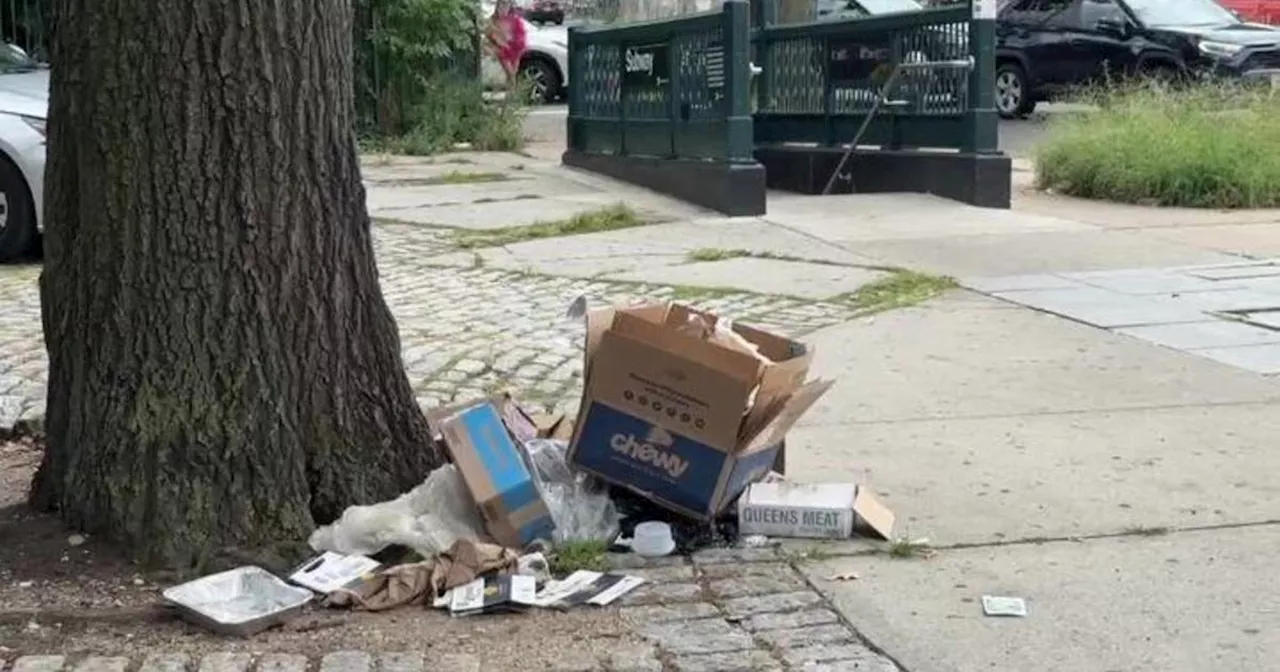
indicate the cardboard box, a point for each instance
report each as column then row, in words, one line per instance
column 495, row 473
column 671, row 416
column 521, row 425
column 814, row 511
column 784, row 509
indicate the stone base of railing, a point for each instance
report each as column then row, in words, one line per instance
column 736, row 189
column 977, row 179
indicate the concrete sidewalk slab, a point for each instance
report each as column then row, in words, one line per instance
column 1186, row 602
column 947, row 359
column 876, row 217
column 1040, row 252
column 1195, row 309
column 1261, row 358
column 483, row 215
column 770, row 276
column 658, row 245
column 386, row 199
column 1016, row 477
column 1126, row 216
column 1254, row 240
column 1200, row 335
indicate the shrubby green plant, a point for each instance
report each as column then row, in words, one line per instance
column 417, row 79
column 1209, row 146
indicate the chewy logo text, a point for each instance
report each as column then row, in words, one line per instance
column 671, row 463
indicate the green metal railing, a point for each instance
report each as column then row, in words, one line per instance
column 677, row 88
column 820, row 79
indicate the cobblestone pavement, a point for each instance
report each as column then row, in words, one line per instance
column 723, row 610
column 464, row 331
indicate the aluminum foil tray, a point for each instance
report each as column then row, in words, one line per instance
column 240, row 602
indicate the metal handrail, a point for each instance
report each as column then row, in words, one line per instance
column 956, row 64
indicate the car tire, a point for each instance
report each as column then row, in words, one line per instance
column 1013, row 92
column 17, row 211
column 543, row 76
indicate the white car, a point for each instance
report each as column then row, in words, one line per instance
column 24, row 105
column 545, row 64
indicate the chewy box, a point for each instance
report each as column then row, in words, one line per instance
column 670, row 415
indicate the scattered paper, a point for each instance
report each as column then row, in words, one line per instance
column 503, row 593
column 993, row 605
column 844, row 576
column 331, row 572
column 587, row 587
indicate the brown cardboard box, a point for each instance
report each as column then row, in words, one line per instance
column 671, row 416
column 494, row 471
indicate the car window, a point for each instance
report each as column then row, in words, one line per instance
column 890, row 6
column 1039, row 12
column 1184, row 13
column 1092, row 11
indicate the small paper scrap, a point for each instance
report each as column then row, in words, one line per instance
column 993, row 605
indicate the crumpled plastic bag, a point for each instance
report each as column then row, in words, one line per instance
column 428, row 519
column 579, row 505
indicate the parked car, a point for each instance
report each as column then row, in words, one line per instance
column 1047, row 47
column 1258, row 11
column 836, row 10
column 24, row 106
column 545, row 11
column 545, row 65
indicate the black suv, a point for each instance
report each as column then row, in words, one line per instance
column 1046, row 47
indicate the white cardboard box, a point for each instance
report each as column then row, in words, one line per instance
column 819, row 511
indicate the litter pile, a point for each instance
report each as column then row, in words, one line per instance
column 678, row 443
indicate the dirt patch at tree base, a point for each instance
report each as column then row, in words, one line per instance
column 62, row 593
column 45, row 566
column 536, row 639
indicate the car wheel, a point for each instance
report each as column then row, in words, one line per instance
column 542, row 79
column 17, row 214
column 1013, row 95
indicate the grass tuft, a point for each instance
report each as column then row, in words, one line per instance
column 716, row 254
column 898, row 290
column 911, row 548
column 572, row 556
column 617, row 216
column 467, row 177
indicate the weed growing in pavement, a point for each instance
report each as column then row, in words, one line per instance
column 716, row 254
column 813, row 553
column 464, row 177
column 617, row 216
column 1207, row 146
column 694, row 293
column 899, row 289
column 1142, row 531
column 572, row 556
column 903, row 547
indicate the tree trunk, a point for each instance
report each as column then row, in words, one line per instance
column 223, row 369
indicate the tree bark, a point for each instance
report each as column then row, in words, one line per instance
column 223, row 369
